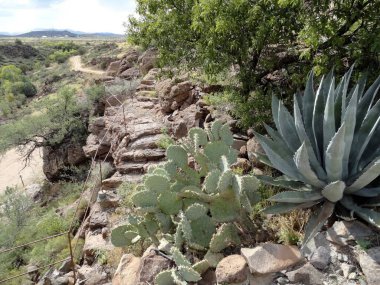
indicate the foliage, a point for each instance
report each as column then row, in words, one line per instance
column 256, row 38
column 61, row 56
column 328, row 152
column 194, row 207
column 60, row 118
column 14, row 88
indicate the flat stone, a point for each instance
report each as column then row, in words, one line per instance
column 127, row 270
column 318, row 241
column 232, row 269
column 151, row 264
column 261, row 279
column 347, row 269
column 306, row 275
column 269, row 257
column 98, row 220
column 343, row 231
column 370, row 263
column 320, row 258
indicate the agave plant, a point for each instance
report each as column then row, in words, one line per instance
column 328, row 151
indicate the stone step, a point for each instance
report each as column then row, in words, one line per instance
column 148, row 142
column 117, row 179
column 135, row 167
column 148, row 82
column 144, row 87
column 143, row 155
column 146, row 94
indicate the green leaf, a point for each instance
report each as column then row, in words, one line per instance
column 169, row 203
column 201, row 136
column 283, row 208
column 289, row 184
column 317, row 220
column 144, row 199
column 157, row 183
column 370, row 173
column 188, row 274
column 296, row 197
column 196, row 211
column 179, row 258
column 334, row 155
column 211, row 181
column 334, row 191
column 301, row 159
column 329, row 117
column 177, row 154
column 368, row 215
column 287, row 128
column 122, row 236
column 164, row 278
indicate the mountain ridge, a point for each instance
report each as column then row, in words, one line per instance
column 53, row 33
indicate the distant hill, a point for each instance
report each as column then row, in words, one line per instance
column 49, row 34
column 59, row 34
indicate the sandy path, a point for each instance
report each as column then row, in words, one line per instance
column 11, row 167
column 76, row 64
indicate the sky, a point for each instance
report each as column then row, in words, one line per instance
column 19, row 16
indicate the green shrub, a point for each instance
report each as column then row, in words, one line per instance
column 328, row 152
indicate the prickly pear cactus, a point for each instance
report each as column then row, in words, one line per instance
column 198, row 205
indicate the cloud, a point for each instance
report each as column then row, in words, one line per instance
column 80, row 15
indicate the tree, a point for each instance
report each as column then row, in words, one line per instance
column 257, row 37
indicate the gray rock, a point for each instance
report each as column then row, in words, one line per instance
column 318, row 241
column 66, row 266
column 306, row 275
column 320, row 258
column 98, row 220
column 343, row 231
column 347, row 269
column 231, row 270
column 370, row 263
column 271, row 257
column 352, row 276
column 62, row 280
column 151, row 265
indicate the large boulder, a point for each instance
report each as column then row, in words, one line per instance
column 130, row 73
column 253, row 146
column 173, row 94
column 57, row 160
column 270, row 257
column 370, row 263
column 129, row 60
column 232, row 269
column 147, row 60
column 113, row 68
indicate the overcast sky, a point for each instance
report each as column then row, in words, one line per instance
column 17, row 16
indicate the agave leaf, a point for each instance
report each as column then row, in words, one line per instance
column 275, row 107
column 349, row 122
column 338, row 104
column 317, row 220
column 289, row 184
column 298, row 98
column 334, row 191
column 296, row 197
column 370, row 202
column 368, row 215
column 276, row 137
column 280, row 160
column 362, row 83
column 366, row 102
column 318, row 119
column 314, row 161
column 334, row 155
column 364, row 134
column 370, row 173
column 329, row 117
column 282, row 208
column 287, row 128
column 263, row 159
column 346, row 81
column 372, row 151
column 301, row 159
column 368, row 192
column 308, row 105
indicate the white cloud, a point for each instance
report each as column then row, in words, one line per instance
column 83, row 15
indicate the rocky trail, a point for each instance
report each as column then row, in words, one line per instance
column 76, row 65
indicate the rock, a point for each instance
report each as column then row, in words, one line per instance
column 62, row 280
column 318, row 241
column 170, row 91
column 261, row 279
column 253, row 146
column 35, row 192
column 127, row 270
column 66, row 266
column 32, row 272
column 347, row 269
column 370, row 263
column 306, row 275
column 242, row 164
column 113, row 68
column 238, row 144
column 232, row 269
column 151, row 264
column 107, row 199
column 56, row 160
column 208, row 278
column 343, row 231
column 320, row 258
column 94, row 243
column 128, row 60
column 130, row 73
column 91, row 275
column 98, row 220
column 147, row 60
column 269, row 257
column 352, row 276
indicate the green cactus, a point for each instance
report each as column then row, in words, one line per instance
column 328, row 152
column 192, row 204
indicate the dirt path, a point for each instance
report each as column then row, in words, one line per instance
column 76, row 64
column 11, row 167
